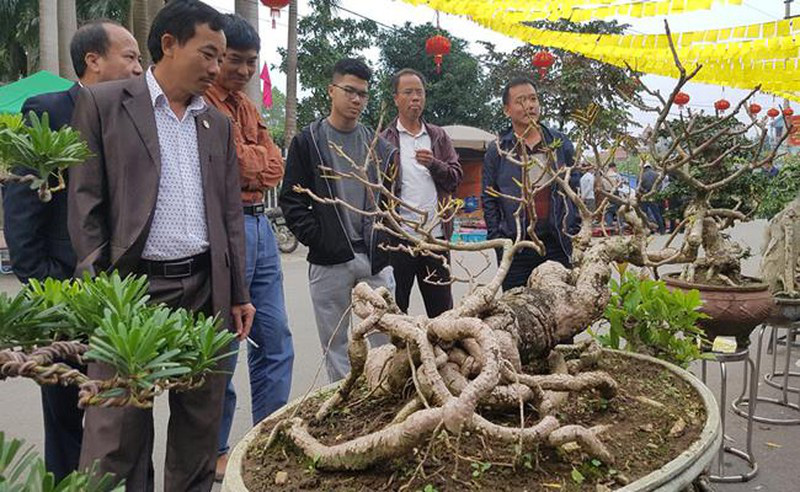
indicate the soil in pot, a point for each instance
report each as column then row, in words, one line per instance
column 644, row 435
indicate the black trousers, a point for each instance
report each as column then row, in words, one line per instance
column 527, row 259
column 435, row 289
column 63, row 429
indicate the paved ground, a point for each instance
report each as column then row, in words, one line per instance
column 777, row 448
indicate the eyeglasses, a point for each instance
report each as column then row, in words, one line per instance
column 353, row 93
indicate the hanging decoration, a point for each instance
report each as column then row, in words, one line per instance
column 543, row 60
column 681, row 99
column 754, row 108
column 437, row 46
column 773, row 113
column 722, row 105
column 788, row 112
column 275, row 7
column 740, row 56
column 574, row 10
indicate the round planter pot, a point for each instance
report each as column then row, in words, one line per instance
column 733, row 311
column 672, row 477
column 787, row 310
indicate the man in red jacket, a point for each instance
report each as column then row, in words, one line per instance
column 428, row 174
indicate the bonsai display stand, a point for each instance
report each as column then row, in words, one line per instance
column 741, row 355
column 776, row 379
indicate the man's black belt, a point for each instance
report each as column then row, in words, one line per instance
column 184, row 267
column 255, row 209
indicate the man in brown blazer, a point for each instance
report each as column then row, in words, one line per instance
column 161, row 197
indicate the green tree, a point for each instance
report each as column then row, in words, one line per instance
column 572, row 83
column 275, row 117
column 323, row 38
column 19, row 31
column 456, row 95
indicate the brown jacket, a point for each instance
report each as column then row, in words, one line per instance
column 445, row 169
column 112, row 196
column 260, row 161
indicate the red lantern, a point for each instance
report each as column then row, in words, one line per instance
column 681, row 98
column 754, row 108
column 788, row 112
column 275, row 7
column 437, row 46
column 543, row 60
column 722, row 105
column 772, row 112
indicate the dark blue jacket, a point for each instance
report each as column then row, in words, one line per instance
column 35, row 231
column 500, row 174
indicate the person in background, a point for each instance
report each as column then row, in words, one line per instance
column 36, row 231
column 587, row 189
column 270, row 356
column 652, row 208
column 428, row 174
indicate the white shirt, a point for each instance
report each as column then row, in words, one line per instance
column 179, row 225
column 417, row 187
column 587, row 186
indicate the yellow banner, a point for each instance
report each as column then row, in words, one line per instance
column 765, row 54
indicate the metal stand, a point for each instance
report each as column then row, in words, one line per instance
column 742, row 355
column 771, row 379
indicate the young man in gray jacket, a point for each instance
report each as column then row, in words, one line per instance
column 343, row 246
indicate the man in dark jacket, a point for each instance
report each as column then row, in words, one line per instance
column 556, row 216
column 652, row 208
column 342, row 243
column 427, row 176
column 36, row 232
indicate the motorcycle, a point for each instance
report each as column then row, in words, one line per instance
column 287, row 242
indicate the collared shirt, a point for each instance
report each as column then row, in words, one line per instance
column 179, row 225
column 418, row 188
column 260, row 162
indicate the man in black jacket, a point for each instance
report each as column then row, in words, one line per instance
column 556, row 215
column 36, row 232
column 343, row 246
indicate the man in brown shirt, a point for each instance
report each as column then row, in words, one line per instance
column 260, row 166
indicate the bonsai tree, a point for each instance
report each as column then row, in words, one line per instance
column 37, row 155
column 491, row 351
column 106, row 319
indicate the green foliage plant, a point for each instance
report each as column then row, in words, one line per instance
column 43, row 154
column 652, row 319
column 22, row 470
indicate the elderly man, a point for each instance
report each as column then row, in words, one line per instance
column 36, row 232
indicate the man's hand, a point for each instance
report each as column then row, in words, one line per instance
column 424, row 157
column 243, row 315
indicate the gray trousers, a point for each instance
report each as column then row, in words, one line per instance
column 121, row 439
column 331, row 287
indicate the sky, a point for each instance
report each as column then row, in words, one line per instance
column 396, row 12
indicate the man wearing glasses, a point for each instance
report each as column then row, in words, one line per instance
column 343, row 246
column 556, row 216
column 428, row 175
